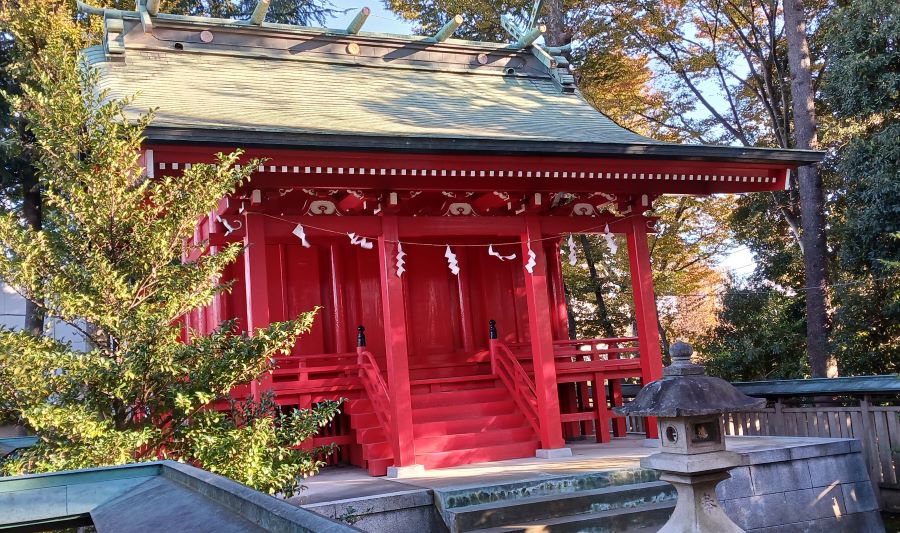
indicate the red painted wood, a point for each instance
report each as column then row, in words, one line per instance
column 600, row 408
column 644, row 309
column 339, row 311
column 568, row 401
column 560, row 313
column 537, row 294
column 615, row 390
column 583, row 399
column 446, row 170
column 306, row 289
column 465, row 299
column 256, row 286
column 396, row 346
column 432, row 297
column 502, row 229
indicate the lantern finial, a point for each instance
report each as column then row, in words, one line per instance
column 681, row 353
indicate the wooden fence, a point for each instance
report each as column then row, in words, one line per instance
column 876, row 427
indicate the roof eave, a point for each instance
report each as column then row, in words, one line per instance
column 371, row 143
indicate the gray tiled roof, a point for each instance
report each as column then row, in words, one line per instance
column 239, row 92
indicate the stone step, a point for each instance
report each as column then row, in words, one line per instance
column 647, row 518
column 541, row 508
column 544, row 485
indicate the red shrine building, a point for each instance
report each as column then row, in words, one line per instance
column 424, row 189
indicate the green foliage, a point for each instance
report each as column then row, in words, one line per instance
column 258, row 444
column 108, row 262
column 481, row 17
column 683, row 252
column 863, row 90
column 302, row 12
column 759, row 335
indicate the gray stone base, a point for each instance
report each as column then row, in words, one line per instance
column 553, row 453
column 412, row 510
column 803, row 485
column 400, row 472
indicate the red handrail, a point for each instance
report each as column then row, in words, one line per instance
column 376, row 387
column 507, row 367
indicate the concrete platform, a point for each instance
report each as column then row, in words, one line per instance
column 810, row 484
column 346, row 482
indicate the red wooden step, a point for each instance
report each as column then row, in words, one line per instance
column 371, row 435
column 468, row 425
column 460, row 441
column 499, row 452
column 378, row 467
column 364, row 420
column 448, row 371
column 360, row 406
column 453, row 379
column 381, row 450
column 318, row 383
column 459, row 397
column 453, row 412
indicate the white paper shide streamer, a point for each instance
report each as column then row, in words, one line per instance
column 362, row 242
column 400, row 261
column 573, row 257
column 532, row 260
column 301, row 234
column 451, row 261
column 610, row 240
column 491, row 252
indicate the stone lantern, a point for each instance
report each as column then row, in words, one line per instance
column 689, row 405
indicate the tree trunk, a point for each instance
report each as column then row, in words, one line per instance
column 556, row 23
column 31, row 212
column 570, row 316
column 602, row 311
column 812, row 198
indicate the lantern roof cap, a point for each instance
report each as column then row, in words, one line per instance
column 685, row 390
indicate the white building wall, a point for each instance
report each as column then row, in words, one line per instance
column 12, row 316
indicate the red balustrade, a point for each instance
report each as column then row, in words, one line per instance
column 506, row 366
column 375, row 386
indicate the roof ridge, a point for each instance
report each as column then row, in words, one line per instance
column 292, row 28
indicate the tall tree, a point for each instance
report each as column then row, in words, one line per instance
column 20, row 190
column 108, row 262
column 862, row 90
column 812, row 197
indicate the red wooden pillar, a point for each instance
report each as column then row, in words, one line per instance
column 600, row 409
column 539, row 326
column 465, row 303
column 584, row 404
column 560, row 313
column 396, row 347
column 644, row 308
column 620, row 428
column 337, row 295
column 216, row 304
column 568, row 403
column 256, row 278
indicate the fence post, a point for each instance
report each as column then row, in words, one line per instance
column 870, row 447
column 779, row 417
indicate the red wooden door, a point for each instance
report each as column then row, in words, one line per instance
column 432, row 303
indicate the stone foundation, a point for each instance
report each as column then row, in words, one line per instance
column 783, row 485
column 395, row 512
column 788, row 485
